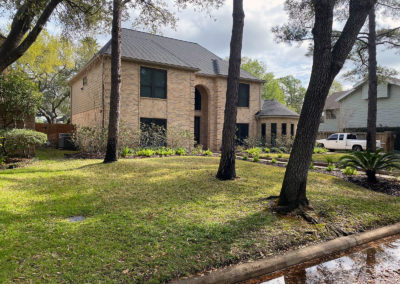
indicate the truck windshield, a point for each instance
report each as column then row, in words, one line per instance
column 352, row 137
column 333, row 137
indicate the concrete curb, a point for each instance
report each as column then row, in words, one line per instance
column 246, row 271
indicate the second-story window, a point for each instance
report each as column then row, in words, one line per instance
column 244, row 95
column 153, row 83
column 197, row 100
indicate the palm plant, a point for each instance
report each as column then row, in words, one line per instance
column 371, row 162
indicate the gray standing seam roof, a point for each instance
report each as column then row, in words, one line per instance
column 152, row 48
column 275, row 108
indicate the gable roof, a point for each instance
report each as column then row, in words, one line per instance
column 331, row 101
column 390, row 80
column 275, row 108
column 146, row 47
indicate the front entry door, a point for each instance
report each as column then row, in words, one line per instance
column 197, row 129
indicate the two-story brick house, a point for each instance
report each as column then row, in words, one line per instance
column 168, row 82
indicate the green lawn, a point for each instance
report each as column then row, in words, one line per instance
column 316, row 157
column 161, row 218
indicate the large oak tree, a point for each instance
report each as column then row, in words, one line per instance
column 328, row 59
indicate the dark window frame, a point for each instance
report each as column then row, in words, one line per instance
column 292, row 129
column 247, row 103
column 274, row 132
column 284, row 128
column 239, row 139
column 153, row 83
column 197, row 99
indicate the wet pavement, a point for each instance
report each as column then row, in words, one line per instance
column 375, row 262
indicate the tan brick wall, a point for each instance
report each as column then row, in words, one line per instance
column 87, row 101
column 178, row 108
column 278, row 120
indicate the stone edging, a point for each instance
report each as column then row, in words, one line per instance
column 246, row 271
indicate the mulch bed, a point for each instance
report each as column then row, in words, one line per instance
column 13, row 163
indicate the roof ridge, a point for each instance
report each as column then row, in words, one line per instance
column 132, row 30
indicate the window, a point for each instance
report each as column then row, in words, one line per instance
column 244, row 90
column 84, row 81
column 273, row 134
column 284, row 132
column 330, row 114
column 197, row 129
column 351, row 137
column 333, row 137
column 153, row 83
column 153, row 132
column 341, row 136
column 292, row 130
column 263, row 130
column 242, row 132
column 197, row 100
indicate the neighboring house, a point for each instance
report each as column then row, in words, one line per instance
column 330, row 115
column 275, row 120
column 168, row 82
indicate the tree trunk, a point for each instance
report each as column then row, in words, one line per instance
column 371, row 176
column 115, row 96
column 372, row 84
column 327, row 62
column 227, row 169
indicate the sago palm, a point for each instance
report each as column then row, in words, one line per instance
column 371, row 163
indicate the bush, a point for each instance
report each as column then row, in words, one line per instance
column 275, row 150
column 280, row 155
column 165, row 151
column 284, row 143
column 267, row 150
column 178, row 138
column 255, row 151
column 320, row 150
column 256, row 159
column 330, row 167
column 349, row 171
column 371, row 162
column 197, row 150
column 181, row 151
column 21, row 142
column 245, row 157
column 126, row 151
column 253, row 142
column 207, row 153
column 274, row 161
column 312, row 166
column 146, row 153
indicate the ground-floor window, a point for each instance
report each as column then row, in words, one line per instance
column 197, row 129
column 273, row 134
column 292, row 129
column 284, row 130
column 263, row 133
column 242, row 133
column 153, row 132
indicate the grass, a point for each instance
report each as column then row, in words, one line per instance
column 156, row 219
column 316, row 157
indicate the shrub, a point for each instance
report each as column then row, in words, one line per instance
column 285, row 143
column 280, row 155
column 245, row 157
column 371, row 163
column 253, row 142
column 312, row 166
column 330, row 167
column 21, row 142
column 320, row 150
column 329, row 160
column 207, row 153
column 181, row 151
column 349, row 171
column 254, row 151
column 275, row 150
column 165, row 151
column 197, row 150
column 274, row 161
column 146, row 152
column 178, row 138
column 126, row 151
column 256, row 159
column 267, row 150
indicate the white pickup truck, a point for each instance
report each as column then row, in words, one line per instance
column 344, row 141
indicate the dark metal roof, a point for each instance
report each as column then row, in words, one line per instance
column 331, row 101
column 275, row 108
column 156, row 49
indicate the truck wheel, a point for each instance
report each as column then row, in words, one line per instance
column 357, row 148
column 321, row 145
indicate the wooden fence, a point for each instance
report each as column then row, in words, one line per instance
column 53, row 131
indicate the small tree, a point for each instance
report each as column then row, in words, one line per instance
column 19, row 98
column 294, row 92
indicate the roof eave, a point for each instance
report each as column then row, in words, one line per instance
column 266, row 115
column 226, row 76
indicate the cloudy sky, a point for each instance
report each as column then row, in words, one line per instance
column 213, row 32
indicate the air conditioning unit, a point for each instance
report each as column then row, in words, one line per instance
column 65, row 141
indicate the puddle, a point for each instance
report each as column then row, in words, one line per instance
column 375, row 262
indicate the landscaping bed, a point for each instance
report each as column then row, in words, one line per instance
column 13, row 163
column 154, row 220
